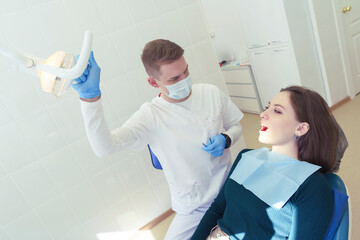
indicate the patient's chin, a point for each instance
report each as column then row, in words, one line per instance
column 263, row 139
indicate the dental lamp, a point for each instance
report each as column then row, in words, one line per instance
column 58, row 71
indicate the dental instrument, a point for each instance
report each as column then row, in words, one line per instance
column 57, row 72
column 208, row 143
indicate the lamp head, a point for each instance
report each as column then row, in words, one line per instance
column 51, row 83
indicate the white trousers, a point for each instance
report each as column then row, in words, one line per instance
column 183, row 226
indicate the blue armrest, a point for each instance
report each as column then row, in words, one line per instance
column 154, row 160
column 339, row 225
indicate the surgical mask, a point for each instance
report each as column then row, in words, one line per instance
column 180, row 89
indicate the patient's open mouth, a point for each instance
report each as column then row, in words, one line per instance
column 263, row 128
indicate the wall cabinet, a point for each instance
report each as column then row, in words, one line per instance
column 281, row 46
column 269, row 19
column 274, row 68
column 307, row 28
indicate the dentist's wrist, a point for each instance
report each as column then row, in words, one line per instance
column 227, row 140
column 94, row 99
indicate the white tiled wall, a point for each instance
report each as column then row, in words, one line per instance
column 224, row 20
column 52, row 185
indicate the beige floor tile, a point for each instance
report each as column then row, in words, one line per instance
column 159, row 230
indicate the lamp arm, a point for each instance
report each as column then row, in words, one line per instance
column 80, row 65
column 17, row 57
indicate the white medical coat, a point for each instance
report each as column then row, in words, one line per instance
column 175, row 135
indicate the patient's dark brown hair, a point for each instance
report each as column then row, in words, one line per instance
column 319, row 144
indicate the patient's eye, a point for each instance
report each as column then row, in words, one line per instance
column 277, row 111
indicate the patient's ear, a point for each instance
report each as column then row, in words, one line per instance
column 151, row 80
column 302, row 129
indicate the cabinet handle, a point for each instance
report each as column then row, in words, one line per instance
column 278, row 50
column 258, row 53
column 346, row 9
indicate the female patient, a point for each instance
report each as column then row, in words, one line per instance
column 280, row 193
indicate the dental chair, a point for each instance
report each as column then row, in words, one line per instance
column 341, row 221
column 340, row 224
column 154, row 160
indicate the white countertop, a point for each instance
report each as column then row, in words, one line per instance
column 242, row 63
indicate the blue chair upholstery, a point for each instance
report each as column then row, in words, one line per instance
column 339, row 226
column 154, row 160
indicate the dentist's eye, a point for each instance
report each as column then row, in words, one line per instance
column 277, row 111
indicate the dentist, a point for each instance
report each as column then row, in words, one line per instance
column 175, row 124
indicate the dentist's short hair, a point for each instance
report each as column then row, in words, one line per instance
column 159, row 52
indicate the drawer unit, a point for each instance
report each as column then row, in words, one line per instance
column 242, row 88
column 242, row 75
column 247, row 104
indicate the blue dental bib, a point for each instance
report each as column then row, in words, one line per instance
column 271, row 176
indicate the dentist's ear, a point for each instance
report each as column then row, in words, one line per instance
column 302, row 129
column 151, row 80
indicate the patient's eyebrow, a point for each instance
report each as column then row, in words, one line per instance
column 277, row 105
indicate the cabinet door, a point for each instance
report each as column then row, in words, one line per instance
column 252, row 19
column 261, row 66
column 264, row 22
column 276, row 26
column 285, row 71
column 273, row 68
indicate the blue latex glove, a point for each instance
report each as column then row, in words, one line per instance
column 88, row 84
column 215, row 145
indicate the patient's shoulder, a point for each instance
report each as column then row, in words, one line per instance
column 238, row 158
column 242, row 152
column 315, row 186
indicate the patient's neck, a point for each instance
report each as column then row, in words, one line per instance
column 290, row 150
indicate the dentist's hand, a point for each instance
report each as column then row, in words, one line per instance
column 215, row 145
column 88, row 84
